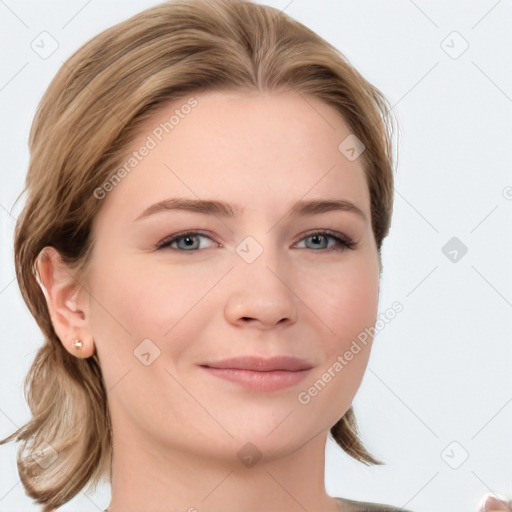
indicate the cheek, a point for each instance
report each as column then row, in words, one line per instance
column 161, row 295
column 347, row 303
column 354, row 301
column 136, row 300
column 344, row 297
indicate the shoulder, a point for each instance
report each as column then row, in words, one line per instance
column 365, row 506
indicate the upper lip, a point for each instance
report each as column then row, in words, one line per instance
column 261, row 364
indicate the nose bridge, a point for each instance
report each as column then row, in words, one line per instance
column 261, row 292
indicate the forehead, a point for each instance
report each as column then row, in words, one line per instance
column 260, row 150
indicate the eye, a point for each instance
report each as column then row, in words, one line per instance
column 191, row 241
column 188, row 241
column 319, row 240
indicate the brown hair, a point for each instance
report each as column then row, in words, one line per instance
column 83, row 127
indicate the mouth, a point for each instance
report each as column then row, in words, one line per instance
column 260, row 374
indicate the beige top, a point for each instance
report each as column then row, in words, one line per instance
column 365, row 506
column 361, row 506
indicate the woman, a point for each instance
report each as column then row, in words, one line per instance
column 209, row 188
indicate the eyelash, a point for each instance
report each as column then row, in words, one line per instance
column 342, row 242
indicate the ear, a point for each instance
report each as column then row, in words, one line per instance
column 67, row 300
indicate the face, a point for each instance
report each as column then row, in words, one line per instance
column 261, row 249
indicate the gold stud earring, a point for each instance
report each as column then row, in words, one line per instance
column 78, row 344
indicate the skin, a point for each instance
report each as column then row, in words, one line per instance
column 177, row 429
column 494, row 503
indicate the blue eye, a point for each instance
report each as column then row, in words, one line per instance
column 323, row 239
column 190, row 241
column 184, row 241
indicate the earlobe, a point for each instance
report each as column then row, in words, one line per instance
column 67, row 302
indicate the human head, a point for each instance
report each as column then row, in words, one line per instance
column 123, row 77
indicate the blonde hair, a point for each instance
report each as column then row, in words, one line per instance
column 82, row 130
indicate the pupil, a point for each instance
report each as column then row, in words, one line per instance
column 317, row 239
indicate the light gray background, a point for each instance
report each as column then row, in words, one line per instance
column 439, row 374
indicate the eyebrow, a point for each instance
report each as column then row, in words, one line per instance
column 223, row 209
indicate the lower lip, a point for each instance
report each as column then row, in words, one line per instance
column 259, row 381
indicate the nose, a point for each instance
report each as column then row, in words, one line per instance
column 261, row 295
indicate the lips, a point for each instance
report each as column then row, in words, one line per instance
column 260, row 374
column 258, row 364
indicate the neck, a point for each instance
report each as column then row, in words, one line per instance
column 153, row 479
